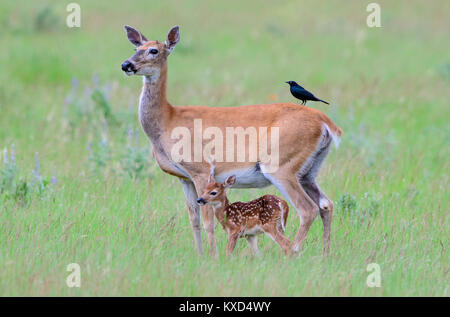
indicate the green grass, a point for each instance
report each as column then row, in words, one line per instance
column 388, row 179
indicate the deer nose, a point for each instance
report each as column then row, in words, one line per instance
column 127, row 66
column 201, row 201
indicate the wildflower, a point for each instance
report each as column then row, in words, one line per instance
column 13, row 155
column 5, row 156
column 75, row 83
column 95, row 80
column 68, row 100
column 129, row 136
column 107, row 91
column 37, row 168
column 53, row 179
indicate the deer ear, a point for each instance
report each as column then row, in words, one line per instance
column 172, row 38
column 134, row 36
column 230, row 181
column 211, row 179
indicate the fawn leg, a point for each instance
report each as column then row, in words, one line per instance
column 253, row 243
column 279, row 238
column 232, row 239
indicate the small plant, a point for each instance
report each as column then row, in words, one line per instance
column 102, row 104
column 45, row 19
column 100, row 154
column 38, row 184
column 16, row 187
column 75, row 108
column 359, row 212
column 8, row 172
column 91, row 112
column 444, row 70
column 370, row 208
column 88, row 107
column 135, row 160
column 347, row 204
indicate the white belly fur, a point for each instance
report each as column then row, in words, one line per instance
column 247, row 178
column 253, row 231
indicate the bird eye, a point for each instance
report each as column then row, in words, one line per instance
column 213, row 193
column 153, row 51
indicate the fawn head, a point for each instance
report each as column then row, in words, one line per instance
column 215, row 193
column 150, row 56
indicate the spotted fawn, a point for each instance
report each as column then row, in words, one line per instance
column 266, row 214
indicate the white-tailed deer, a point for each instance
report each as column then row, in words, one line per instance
column 267, row 214
column 305, row 136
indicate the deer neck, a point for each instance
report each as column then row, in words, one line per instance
column 220, row 211
column 154, row 109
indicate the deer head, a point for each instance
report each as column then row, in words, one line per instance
column 150, row 56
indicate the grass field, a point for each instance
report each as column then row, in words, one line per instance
column 99, row 200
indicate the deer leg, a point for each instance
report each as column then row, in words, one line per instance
column 207, row 217
column 194, row 212
column 326, row 209
column 305, row 206
column 308, row 182
column 232, row 239
column 326, row 216
column 253, row 243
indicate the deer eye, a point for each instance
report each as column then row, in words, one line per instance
column 153, row 51
column 213, row 193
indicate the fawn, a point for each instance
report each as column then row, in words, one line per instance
column 266, row 214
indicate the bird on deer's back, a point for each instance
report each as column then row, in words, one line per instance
column 301, row 93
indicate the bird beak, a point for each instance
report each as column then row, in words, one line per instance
column 286, row 82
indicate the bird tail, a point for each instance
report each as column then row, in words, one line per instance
column 323, row 101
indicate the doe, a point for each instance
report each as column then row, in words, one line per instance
column 266, row 214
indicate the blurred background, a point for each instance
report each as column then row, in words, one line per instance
column 78, row 183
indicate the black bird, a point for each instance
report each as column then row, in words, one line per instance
column 301, row 93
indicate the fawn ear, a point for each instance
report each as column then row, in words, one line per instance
column 230, row 181
column 172, row 38
column 134, row 36
column 211, row 179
